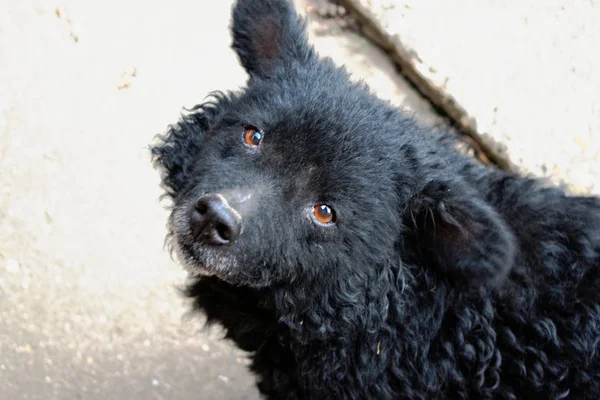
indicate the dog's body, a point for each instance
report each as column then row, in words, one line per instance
column 359, row 256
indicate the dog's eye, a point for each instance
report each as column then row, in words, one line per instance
column 324, row 214
column 252, row 136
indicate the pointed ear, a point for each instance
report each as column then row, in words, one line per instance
column 267, row 33
column 459, row 234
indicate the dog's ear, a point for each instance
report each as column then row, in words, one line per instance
column 175, row 152
column 267, row 34
column 459, row 234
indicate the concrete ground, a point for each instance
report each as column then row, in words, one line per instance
column 88, row 300
column 526, row 71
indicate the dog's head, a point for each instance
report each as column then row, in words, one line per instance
column 305, row 177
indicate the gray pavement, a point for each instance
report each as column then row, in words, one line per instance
column 88, row 300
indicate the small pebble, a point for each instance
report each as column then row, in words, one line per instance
column 12, row 266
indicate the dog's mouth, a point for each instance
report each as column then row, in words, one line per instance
column 200, row 257
column 199, row 260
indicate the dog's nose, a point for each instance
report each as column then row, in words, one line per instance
column 214, row 221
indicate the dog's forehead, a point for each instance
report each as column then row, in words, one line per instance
column 319, row 93
column 310, row 111
column 319, row 119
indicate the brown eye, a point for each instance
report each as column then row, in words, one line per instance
column 324, row 214
column 252, row 137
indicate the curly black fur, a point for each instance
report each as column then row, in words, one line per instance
column 440, row 279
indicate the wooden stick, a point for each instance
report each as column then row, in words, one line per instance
column 442, row 100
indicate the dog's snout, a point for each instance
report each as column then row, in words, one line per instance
column 214, row 221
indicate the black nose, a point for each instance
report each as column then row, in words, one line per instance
column 214, row 222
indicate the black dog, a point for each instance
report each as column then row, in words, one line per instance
column 360, row 256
